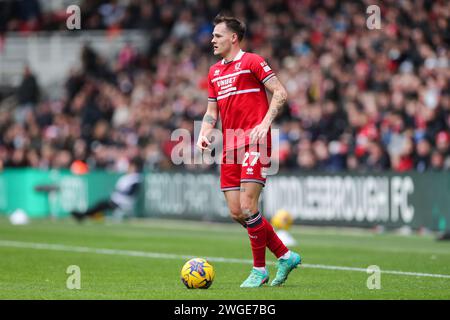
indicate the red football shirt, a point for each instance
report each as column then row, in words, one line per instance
column 238, row 88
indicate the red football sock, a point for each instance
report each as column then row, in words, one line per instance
column 273, row 241
column 258, row 238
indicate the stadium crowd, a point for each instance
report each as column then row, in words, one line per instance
column 359, row 99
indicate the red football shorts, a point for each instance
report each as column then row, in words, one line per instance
column 246, row 164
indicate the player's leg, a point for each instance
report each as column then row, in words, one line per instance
column 100, row 206
column 287, row 259
column 250, row 193
column 232, row 198
column 230, row 179
column 254, row 179
column 249, row 196
column 262, row 234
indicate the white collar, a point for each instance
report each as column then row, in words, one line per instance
column 236, row 58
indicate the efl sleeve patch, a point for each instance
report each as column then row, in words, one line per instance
column 260, row 68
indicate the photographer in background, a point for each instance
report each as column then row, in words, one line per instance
column 122, row 200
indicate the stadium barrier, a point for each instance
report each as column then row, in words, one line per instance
column 362, row 200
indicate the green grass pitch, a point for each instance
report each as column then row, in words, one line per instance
column 144, row 259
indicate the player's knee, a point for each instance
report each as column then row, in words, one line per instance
column 236, row 213
column 249, row 205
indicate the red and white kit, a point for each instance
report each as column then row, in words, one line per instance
column 238, row 88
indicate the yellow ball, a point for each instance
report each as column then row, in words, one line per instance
column 197, row 273
column 282, row 220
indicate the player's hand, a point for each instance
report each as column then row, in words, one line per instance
column 203, row 143
column 259, row 133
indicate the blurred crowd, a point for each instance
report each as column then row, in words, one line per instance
column 359, row 99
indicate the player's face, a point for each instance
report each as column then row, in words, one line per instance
column 222, row 39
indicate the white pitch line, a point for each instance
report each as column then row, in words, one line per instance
column 156, row 255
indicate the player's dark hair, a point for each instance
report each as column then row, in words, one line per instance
column 234, row 24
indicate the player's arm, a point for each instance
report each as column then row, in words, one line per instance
column 208, row 123
column 279, row 98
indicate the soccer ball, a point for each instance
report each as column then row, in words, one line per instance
column 197, row 273
column 282, row 220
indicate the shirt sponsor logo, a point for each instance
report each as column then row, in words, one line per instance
column 225, row 82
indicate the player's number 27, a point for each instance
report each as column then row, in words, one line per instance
column 247, row 156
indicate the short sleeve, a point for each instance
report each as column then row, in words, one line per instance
column 212, row 96
column 261, row 69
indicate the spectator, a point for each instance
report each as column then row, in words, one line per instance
column 377, row 159
column 443, row 147
column 27, row 95
column 437, row 161
column 422, row 156
column 359, row 99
